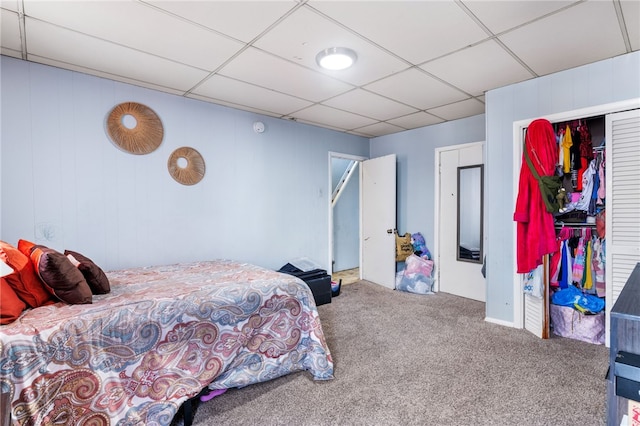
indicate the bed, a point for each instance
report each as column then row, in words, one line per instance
column 158, row 338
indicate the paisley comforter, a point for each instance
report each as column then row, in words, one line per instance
column 161, row 335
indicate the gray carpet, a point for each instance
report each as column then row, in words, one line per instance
column 405, row 359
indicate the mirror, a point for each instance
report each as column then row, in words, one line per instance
column 470, row 213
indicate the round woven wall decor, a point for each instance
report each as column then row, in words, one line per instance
column 135, row 128
column 192, row 169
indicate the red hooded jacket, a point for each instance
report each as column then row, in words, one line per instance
column 536, row 232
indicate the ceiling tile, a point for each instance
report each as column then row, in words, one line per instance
column 419, row 119
column 499, row 16
column 321, row 114
column 457, row 110
column 631, row 11
column 415, row 30
column 69, row 47
column 492, row 67
column 369, row 104
column 238, row 92
column 304, row 33
column 9, row 4
column 572, row 45
column 232, row 105
column 140, row 27
column 283, row 76
column 415, row 88
column 379, row 129
column 242, row 20
column 10, row 31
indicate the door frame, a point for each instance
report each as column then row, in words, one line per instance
column 436, row 198
column 359, row 159
column 518, row 137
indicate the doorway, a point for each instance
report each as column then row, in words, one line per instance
column 376, row 195
column 458, row 268
column 344, row 217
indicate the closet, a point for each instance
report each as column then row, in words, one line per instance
column 610, row 221
column 575, row 278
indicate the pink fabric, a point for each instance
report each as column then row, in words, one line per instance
column 535, row 228
column 554, row 264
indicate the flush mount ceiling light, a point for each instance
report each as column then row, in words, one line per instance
column 336, row 58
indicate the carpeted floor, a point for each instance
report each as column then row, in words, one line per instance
column 405, row 359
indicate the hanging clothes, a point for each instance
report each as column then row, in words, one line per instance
column 587, row 281
column 536, row 235
column 566, row 145
column 598, row 260
column 587, row 188
column 554, row 264
column 601, row 188
column 579, row 262
column 566, row 266
column 586, row 147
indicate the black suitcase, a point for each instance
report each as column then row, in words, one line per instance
column 317, row 279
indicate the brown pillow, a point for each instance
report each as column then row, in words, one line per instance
column 24, row 281
column 11, row 306
column 60, row 275
column 95, row 276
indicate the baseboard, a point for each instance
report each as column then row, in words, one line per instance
column 500, row 322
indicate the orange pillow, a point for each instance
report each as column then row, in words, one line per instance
column 11, row 306
column 60, row 276
column 24, row 281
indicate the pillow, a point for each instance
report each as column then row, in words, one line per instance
column 24, row 281
column 60, row 276
column 95, row 276
column 11, row 306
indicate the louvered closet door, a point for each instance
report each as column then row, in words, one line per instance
column 622, row 202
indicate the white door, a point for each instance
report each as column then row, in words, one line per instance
column 622, row 222
column 378, row 210
column 454, row 276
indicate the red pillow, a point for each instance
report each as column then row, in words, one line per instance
column 24, row 281
column 95, row 276
column 11, row 306
column 60, row 275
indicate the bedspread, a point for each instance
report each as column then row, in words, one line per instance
column 160, row 336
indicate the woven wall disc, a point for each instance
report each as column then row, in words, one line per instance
column 143, row 137
column 192, row 172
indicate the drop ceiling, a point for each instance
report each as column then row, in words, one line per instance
column 419, row 62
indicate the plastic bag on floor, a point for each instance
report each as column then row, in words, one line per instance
column 416, row 277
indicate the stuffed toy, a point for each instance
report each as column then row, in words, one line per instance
column 563, row 200
column 420, row 246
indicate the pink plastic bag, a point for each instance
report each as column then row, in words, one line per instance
column 416, row 277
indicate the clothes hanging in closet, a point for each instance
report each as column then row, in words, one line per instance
column 579, row 261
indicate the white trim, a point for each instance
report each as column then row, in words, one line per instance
column 357, row 158
column 518, row 132
column 435, row 255
column 500, row 322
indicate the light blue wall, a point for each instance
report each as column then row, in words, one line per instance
column 415, row 154
column 604, row 82
column 264, row 198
